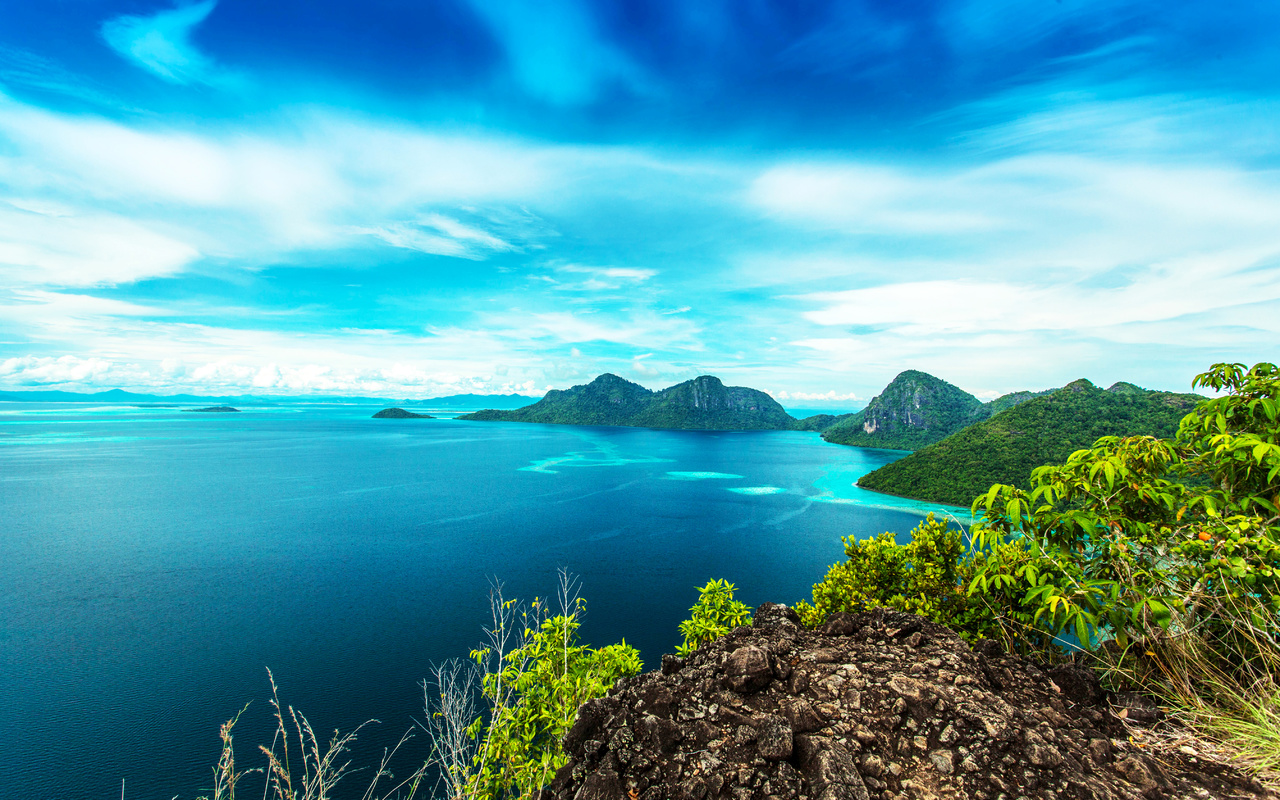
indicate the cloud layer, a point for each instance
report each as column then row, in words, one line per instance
column 243, row 199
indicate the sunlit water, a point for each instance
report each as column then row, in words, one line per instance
column 153, row 562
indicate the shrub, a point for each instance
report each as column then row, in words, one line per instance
column 534, row 689
column 924, row 576
column 715, row 614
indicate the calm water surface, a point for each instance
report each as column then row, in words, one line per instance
column 154, row 562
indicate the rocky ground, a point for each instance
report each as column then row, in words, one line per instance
column 876, row 705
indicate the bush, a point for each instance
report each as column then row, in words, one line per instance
column 924, row 576
column 715, row 614
column 533, row 691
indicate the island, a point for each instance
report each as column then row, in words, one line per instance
column 214, row 410
column 400, row 413
column 703, row 403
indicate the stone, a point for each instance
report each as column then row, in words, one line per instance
column 864, row 714
column 748, row 670
column 802, row 715
column 774, row 738
column 944, row 761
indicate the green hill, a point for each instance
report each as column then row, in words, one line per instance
column 703, row 403
column 914, row 410
column 820, row 422
column 1038, row 431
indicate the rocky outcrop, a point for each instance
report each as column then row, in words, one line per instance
column 874, row 706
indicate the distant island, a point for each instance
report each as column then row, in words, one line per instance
column 400, row 413
column 214, row 410
column 703, row 403
column 1043, row 429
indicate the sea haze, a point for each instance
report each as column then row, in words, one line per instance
column 153, row 562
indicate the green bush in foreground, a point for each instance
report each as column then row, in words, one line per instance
column 534, row 691
column 715, row 614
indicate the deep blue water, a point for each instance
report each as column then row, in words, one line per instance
column 154, row 562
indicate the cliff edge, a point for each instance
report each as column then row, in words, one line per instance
column 875, row 706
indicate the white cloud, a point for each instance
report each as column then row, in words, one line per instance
column 1163, row 291
column 43, row 371
column 41, row 243
column 599, row 279
column 161, row 44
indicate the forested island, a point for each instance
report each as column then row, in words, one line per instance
column 400, row 413
column 703, row 403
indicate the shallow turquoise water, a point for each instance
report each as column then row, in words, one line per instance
column 153, row 562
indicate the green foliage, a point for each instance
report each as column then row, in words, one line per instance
column 926, row 576
column 1042, row 430
column 715, row 614
column 534, row 691
column 819, row 423
column 1168, row 549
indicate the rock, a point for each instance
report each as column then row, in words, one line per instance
column 944, row 761
column 802, row 715
column 773, row 738
column 773, row 615
column 878, row 705
column 1135, row 708
column 838, row 624
column 1078, row 684
column 748, row 670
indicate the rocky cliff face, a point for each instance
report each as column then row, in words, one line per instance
column 914, row 410
column 875, row 706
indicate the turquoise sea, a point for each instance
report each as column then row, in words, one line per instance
column 154, row 562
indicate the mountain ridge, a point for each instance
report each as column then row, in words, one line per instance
column 702, row 403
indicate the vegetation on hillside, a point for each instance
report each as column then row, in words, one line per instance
column 715, row 614
column 1158, row 558
column 1041, row 430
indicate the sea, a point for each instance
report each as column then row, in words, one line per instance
column 155, row 563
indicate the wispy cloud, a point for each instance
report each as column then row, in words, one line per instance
column 437, row 234
column 161, row 44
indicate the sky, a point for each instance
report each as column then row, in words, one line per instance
column 427, row 197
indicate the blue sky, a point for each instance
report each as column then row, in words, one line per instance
column 425, row 197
